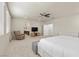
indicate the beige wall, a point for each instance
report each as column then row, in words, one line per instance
column 66, row 24
column 19, row 24
column 60, row 25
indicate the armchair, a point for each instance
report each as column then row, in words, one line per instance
column 18, row 35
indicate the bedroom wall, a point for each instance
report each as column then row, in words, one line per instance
column 63, row 25
column 66, row 24
column 19, row 24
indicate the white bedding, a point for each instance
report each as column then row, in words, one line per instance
column 60, row 46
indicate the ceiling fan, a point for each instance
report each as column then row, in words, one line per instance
column 45, row 14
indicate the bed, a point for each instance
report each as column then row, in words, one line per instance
column 59, row 46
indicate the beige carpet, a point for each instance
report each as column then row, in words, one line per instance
column 22, row 48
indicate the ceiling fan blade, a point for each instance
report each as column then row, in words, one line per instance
column 41, row 14
column 47, row 14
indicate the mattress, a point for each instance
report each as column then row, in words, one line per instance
column 60, row 46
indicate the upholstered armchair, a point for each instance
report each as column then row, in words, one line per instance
column 18, row 35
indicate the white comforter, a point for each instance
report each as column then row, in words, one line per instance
column 60, row 46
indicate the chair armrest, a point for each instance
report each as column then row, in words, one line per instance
column 22, row 34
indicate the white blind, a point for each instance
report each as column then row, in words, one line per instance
column 48, row 29
column 7, row 21
column 1, row 18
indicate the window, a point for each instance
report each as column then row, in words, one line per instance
column 1, row 18
column 7, row 21
column 48, row 29
column 4, row 19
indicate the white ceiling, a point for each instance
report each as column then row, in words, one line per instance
column 33, row 9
